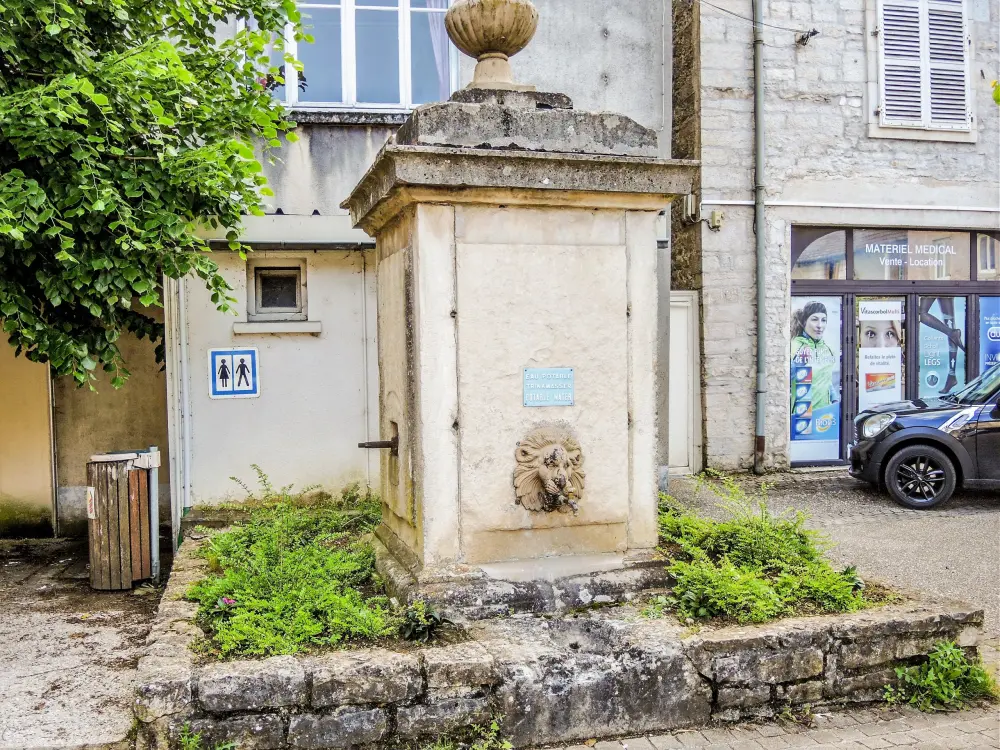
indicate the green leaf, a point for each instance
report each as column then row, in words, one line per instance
column 53, row 28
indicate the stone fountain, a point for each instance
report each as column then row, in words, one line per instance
column 518, row 321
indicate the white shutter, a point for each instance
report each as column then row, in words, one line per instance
column 923, row 64
column 948, row 52
column 901, row 63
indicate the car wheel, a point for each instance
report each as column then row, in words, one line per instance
column 920, row 477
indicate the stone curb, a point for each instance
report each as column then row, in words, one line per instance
column 605, row 673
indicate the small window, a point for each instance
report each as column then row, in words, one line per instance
column 924, row 48
column 276, row 290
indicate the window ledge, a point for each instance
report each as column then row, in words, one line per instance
column 919, row 134
column 345, row 117
column 311, row 327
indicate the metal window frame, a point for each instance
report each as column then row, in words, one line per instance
column 256, row 312
column 348, row 58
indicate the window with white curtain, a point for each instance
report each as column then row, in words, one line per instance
column 369, row 54
column 924, row 77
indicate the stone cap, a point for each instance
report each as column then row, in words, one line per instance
column 526, row 121
column 407, row 174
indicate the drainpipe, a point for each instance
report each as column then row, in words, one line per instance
column 185, row 396
column 760, row 232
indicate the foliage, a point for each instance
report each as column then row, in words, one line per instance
column 482, row 738
column 421, row 622
column 753, row 567
column 996, row 91
column 947, row 680
column 124, row 124
column 297, row 575
column 192, row 741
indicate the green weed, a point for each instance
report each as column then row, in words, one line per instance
column 192, row 741
column 421, row 622
column 297, row 575
column 482, row 738
column 947, row 680
column 753, row 567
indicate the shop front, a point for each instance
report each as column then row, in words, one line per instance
column 883, row 315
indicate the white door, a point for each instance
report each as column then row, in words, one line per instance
column 684, row 418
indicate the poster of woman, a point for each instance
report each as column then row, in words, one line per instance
column 814, row 378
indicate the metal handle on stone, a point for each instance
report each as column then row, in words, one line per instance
column 392, row 445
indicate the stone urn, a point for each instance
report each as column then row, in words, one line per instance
column 492, row 31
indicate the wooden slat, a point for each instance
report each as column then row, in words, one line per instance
column 135, row 538
column 114, row 546
column 124, row 529
column 145, row 542
column 102, row 488
column 93, row 537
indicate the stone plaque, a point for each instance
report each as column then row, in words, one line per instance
column 548, row 386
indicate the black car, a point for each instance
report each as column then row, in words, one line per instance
column 920, row 451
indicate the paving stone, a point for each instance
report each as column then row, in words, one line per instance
column 608, row 746
column 692, row 739
column 665, row 742
column 638, row 743
column 875, row 742
column 901, row 738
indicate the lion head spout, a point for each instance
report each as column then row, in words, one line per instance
column 549, row 474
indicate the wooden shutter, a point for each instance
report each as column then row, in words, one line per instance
column 923, row 64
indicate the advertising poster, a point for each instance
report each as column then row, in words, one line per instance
column 814, row 378
column 942, row 345
column 989, row 332
column 880, row 352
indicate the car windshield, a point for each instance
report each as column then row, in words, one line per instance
column 979, row 389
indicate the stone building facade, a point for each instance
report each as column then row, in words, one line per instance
column 830, row 163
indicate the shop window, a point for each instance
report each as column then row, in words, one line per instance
column 276, row 290
column 901, row 255
column 923, row 65
column 368, row 54
column 815, row 378
column 823, row 257
column 989, row 332
column 988, row 255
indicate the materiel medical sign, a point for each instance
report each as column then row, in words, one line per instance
column 233, row 373
column 549, row 386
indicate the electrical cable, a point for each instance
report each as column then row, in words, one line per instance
column 752, row 22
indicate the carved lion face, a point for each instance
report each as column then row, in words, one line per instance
column 549, row 474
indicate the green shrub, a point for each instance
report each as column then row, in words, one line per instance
column 752, row 567
column 947, row 680
column 299, row 574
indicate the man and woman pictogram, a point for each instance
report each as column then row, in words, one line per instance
column 242, row 373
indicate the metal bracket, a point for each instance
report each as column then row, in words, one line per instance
column 391, row 445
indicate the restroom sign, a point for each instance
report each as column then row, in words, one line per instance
column 233, row 373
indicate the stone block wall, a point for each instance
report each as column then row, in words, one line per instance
column 819, row 153
column 603, row 674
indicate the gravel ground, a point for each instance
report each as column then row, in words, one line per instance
column 68, row 653
column 952, row 551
